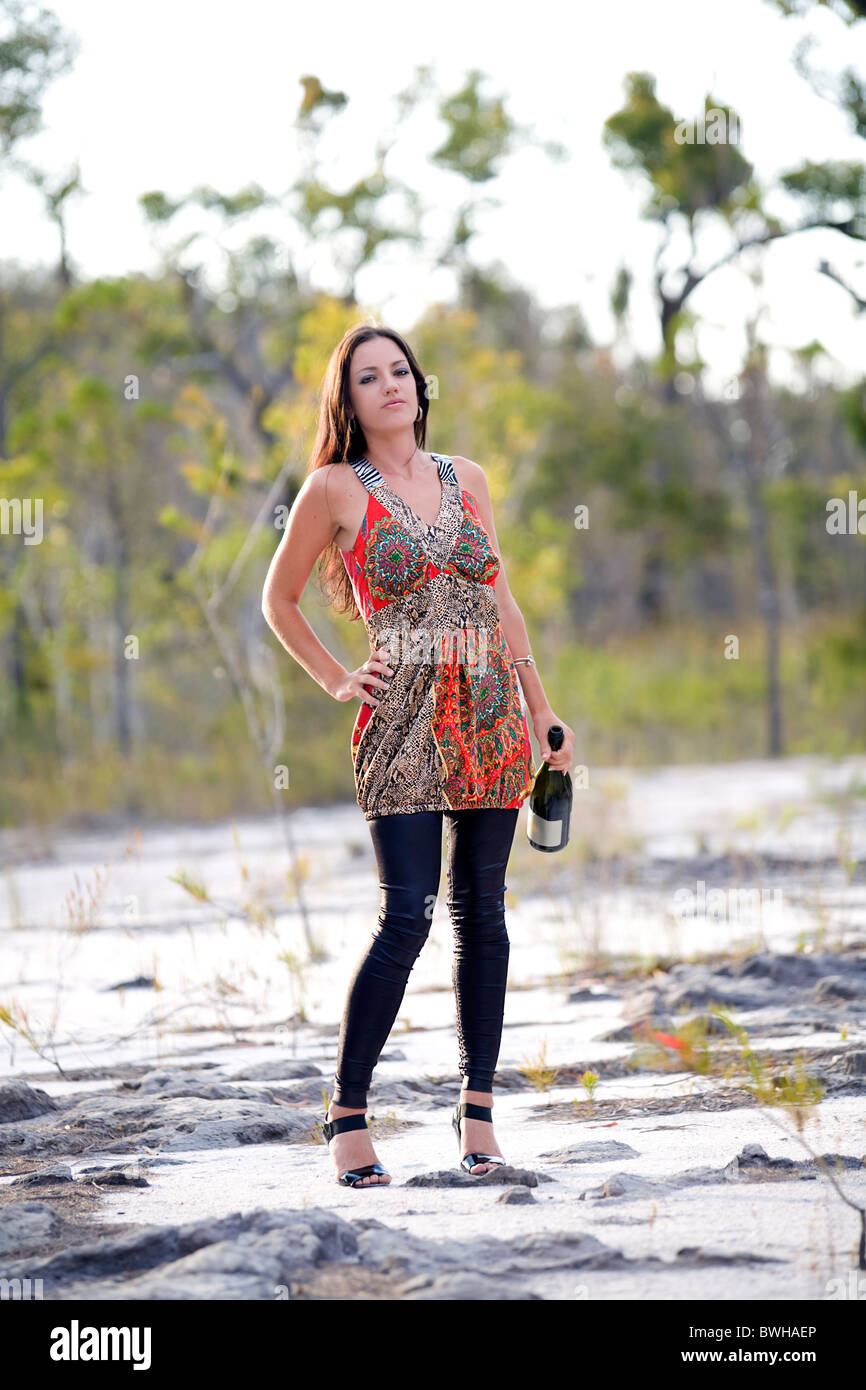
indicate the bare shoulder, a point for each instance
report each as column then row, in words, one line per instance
column 334, row 478
column 336, row 486
column 340, row 492
column 470, row 476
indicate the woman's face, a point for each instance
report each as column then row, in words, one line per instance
column 382, row 388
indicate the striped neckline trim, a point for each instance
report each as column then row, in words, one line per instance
column 371, row 477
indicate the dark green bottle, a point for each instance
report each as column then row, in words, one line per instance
column 549, row 813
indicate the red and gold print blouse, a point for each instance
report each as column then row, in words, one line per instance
column 450, row 732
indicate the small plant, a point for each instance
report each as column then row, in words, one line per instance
column 538, row 1072
column 798, row 1093
column 686, row 1050
column 299, row 987
column 16, row 1020
column 194, row 887
column 82, row 907
column 793, row 1091
column 588, row 1081
column 317, row 1132
column 259, row 913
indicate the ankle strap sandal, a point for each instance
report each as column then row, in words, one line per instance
column 352, row 1176
column 474, row 1112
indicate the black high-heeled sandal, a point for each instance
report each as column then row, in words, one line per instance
column 474, row 1112
column 352, row 1176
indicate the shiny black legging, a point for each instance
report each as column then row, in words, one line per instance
column 408, row 850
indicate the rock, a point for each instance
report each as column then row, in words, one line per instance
column 764, row 980
column 796, row 969
column 622, row 1185
column 396, row 1249
column 849, row 1162
column 118, row 1177
column 177, row 1083
column 753, row 1164
column 698, row 995
column 752, row 1169
column 702, row 1176
column 197, row 1286
column 624, row 1033
column 855, row 1063
column 18, row 1101
column 147, row 1248
column 276, row 1256
column 123, row 1124
column 494, row 1177
column 277, row 1069
column 253, row 1255
column 833, row 987
column 696, row 1255
column 591, row 1151
column 515, row 1195
column 469, row 1288
column 59, row 1172
column 792, row 969
column 646, row 1003
column 420, row 1092
column 24, row 1225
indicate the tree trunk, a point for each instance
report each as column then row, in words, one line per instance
column 752, row 462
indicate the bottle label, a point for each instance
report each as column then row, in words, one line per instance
column 543, row 832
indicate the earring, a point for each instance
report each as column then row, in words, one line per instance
column 419, row 415
column 352, row 423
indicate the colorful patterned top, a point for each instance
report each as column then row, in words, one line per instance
column 450, row 732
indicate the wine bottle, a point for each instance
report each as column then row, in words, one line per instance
column 550, row 802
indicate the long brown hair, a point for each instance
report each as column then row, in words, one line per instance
column 336, row 443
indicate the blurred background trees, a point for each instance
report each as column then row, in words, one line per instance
column 165, row 423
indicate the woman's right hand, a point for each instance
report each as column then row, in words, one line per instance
column 355, row 683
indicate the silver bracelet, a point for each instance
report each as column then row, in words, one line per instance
column 530, row 660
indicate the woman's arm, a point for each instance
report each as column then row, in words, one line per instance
column 309, row 528
column 515, row 634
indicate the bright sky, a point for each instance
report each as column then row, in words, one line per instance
column 178, row 93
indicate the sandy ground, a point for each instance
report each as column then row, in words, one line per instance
column 86, row 913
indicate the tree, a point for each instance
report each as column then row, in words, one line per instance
column 696, row 172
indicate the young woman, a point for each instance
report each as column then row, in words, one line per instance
column 405, row 539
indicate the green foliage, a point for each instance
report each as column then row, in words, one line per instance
column 684, row 175
column 152, row 418
column 479, row 132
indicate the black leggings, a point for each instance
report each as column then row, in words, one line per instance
column 408, row 850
